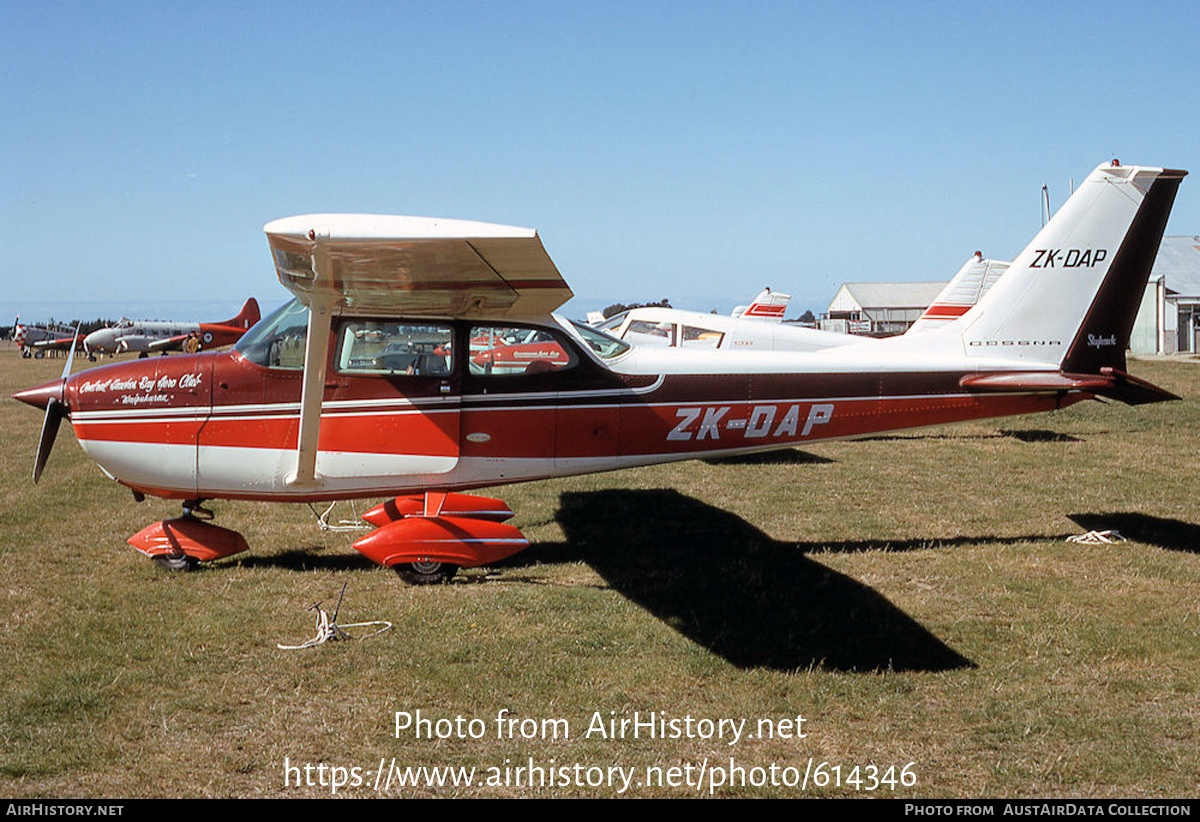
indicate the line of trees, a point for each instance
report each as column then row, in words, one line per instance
column 616, row 308
column 7, row 331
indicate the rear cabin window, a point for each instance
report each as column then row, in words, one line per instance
column 509, row 351
column 692, row 337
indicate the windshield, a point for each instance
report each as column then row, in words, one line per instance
column 277, row 341
column 605, row 346
column 613, row 322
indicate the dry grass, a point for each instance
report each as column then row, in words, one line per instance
column 911, row 596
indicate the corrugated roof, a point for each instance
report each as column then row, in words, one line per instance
column 1179, row 262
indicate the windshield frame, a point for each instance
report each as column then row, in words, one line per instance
column 256, row 345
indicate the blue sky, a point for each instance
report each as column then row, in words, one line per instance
column 689, row 150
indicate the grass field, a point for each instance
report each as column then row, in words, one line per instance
column 912, row 596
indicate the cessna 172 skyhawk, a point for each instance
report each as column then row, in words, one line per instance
column 371, row 383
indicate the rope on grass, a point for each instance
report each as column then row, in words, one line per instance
column 1097, row 538
column 329, row 631
column 342, row 525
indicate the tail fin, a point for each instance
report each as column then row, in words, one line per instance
column 247, row 317
column 768, row 305
column 969, row 285
column 1070, row 298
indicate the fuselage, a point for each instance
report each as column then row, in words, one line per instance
column 143, row 336
column 135, row 336
column 675, row 328
column 414, row 404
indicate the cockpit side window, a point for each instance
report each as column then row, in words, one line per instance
column 418, row 349
column 647, row 332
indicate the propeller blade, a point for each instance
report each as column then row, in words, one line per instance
column 66, row 372
column 55, row 411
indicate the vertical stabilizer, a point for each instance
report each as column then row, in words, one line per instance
column 768, row 305
column 967, row 288
column 1070, row 298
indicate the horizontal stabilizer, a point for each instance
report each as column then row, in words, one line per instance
column 1110, row 382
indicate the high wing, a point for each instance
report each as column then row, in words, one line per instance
column 416, row 265
column 410, row 265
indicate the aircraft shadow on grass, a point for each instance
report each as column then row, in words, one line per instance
column 1023, row 435
column 753, row 600
column 309, row 558
column 1168, row 534
column 786, row 456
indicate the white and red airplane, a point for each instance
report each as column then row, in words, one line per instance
column 370, row 382
column 147, row 336
column 761, row 325
column 758, row 326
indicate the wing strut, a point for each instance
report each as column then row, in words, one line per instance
column 316, row 350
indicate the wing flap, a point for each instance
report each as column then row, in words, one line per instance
column 416, row 265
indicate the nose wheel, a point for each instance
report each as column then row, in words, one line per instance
column 176, row 562
column 182, row 543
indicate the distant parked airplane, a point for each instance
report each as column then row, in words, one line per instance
column 760, row 325
column 147, row 336
column 36, row 340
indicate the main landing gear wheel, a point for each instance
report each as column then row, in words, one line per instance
column 426, row 573
column 181, row 562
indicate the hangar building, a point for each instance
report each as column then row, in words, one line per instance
column 1168, row 321
column 878, row 309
